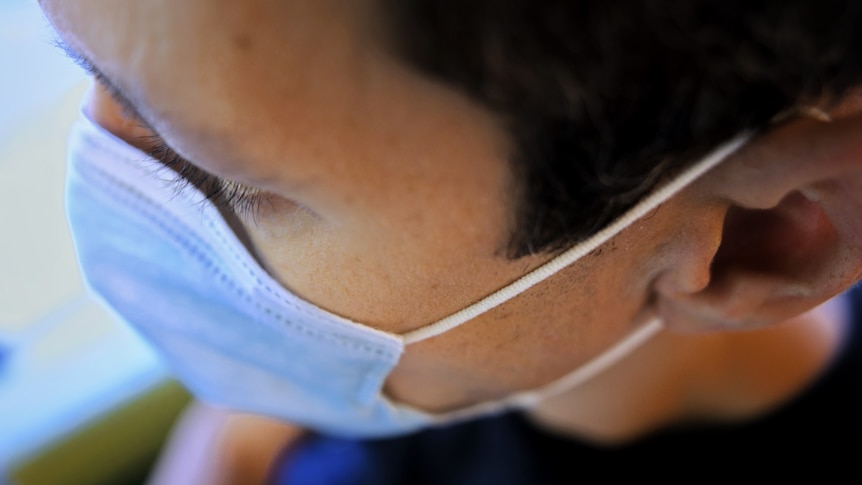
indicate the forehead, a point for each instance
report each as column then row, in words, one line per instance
column 192, row 52
column 300, row 95
column 184, row 29
column 246, row 72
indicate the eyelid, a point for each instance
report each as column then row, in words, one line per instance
column 239, row 198
column 121, row 99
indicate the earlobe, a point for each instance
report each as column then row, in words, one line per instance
column 791, row 237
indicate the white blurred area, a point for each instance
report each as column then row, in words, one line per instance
column 66, row 366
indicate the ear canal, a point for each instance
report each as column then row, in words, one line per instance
column 787, row 241
column 771, row 265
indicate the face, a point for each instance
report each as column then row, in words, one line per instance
column 387, row 198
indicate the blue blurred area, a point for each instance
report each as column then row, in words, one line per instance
column 34, row 76
column 35, row 73
column 66, row 365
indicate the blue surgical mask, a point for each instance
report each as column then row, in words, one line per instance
column 167, row 263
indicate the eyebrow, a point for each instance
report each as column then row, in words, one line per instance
column 116, row 93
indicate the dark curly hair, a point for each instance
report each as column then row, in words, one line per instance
column 605, row 98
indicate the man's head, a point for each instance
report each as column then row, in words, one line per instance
column 604, row 100
column 405, row 154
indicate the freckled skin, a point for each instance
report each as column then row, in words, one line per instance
column 391, row 196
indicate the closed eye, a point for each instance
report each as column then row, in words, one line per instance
column 225, row 194
column 243, row 200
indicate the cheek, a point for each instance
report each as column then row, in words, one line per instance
column 530, row 341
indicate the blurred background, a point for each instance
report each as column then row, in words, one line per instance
column 82, row 399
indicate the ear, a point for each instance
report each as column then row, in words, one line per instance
column 791, row 237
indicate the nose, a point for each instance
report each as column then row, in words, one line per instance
column 106, row 112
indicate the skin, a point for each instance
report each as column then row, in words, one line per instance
column 390, row 200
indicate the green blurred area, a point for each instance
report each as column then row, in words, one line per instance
column 118, row 449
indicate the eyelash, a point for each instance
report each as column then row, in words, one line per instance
column 242, row 200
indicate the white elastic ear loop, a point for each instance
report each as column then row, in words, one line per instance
column 592, row 368
column 528, row 399
column 579, row 250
